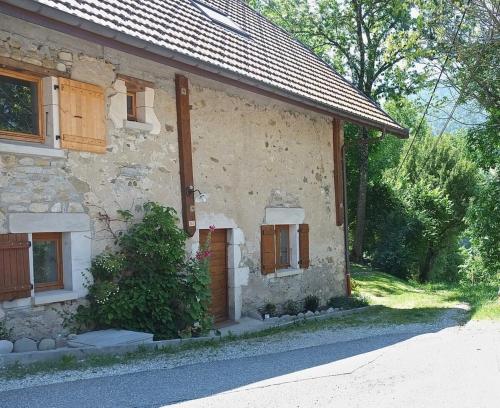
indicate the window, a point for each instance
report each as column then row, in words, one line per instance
column 284, row 247
column 20, row 106
column 131, row 107
column 220, row 18
column 282, row 242
column 47, row 261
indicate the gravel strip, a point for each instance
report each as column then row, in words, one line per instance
column 241, row 348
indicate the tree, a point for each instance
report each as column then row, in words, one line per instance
column 482, row 261
column 434, row 187
column 377, row 44
column 475, row 76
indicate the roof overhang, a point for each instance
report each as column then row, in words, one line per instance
column 40, row 14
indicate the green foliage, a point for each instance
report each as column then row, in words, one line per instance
column 269, row 308
column 150, row 286
column 347, row 302
column 156, row 245
column 477, row 56
column 107, row 266
column 483, row 142
column 426, row 202
column 18, row 105
column 311, row 302
column 5, row 334
column 291, row 307
column 376, row 46
column 483, row 298
column 482, row 256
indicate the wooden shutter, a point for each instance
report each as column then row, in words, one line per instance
column 267, row 249
column 304, row 246
column 14, row 267
column 82, row 116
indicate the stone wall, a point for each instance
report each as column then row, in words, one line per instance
column 249, row 152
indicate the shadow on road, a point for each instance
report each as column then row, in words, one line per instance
column 161, row 387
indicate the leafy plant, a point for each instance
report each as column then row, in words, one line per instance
column 150, row 285
column 344, row 302
column 269, row 308
column 5, row 334
column 311, row 302
column 291, row 307
column 107, row 266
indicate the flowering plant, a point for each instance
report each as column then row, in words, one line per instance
column 150, row 285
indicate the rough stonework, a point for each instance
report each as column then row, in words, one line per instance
column 249, row 152
column 40, row 321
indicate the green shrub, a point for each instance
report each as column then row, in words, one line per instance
column 344, row 302
column 107, row 266
column 269, row 308
column 5, row 333
column 150, row 285
column 291, row 307
column 311, row 302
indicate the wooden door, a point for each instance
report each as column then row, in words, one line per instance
column 218, row 272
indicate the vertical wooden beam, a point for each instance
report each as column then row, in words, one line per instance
column 338, row 169
column 185, row 154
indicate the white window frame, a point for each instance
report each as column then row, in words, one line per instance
column 76, row 253
column 50, row 111
column 293, row 217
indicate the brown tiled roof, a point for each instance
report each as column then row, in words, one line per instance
column 267, row 56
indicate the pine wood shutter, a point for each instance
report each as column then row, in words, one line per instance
column 304, row 246
column 82, row 116
column 14, row 267
column 267, row 249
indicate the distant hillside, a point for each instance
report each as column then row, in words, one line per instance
column 465, row 115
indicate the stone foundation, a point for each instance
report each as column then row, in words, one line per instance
column 38, row 322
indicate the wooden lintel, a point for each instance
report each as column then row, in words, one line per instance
column 24, row 67
column 338, row 166
column 185, row 154
column 135, row 84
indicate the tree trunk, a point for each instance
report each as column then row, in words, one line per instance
column 359, row 234
column 426, row 267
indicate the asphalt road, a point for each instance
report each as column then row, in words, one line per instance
column 455, row 367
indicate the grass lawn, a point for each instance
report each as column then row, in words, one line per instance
column 483, row 299
column 402, row 301
column 383, row 289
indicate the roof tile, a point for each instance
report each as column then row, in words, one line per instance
column 268, row 55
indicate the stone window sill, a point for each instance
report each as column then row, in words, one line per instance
column 281, row 273
column 54, row 296
column 30, row 150
column 146, row 127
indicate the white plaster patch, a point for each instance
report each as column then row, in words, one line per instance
column 145, row 127
column 205, row 220
column 51, row 111
column 17, row 148
column 236, row 236
column 47, row 222
column 238, row 276
column 78, row 244
column 145, row 110
column 118, row 104
column 284, row 216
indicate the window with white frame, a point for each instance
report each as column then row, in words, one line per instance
column 20, row 106
column 48, row 266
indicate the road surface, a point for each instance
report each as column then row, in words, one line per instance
column 451, row 367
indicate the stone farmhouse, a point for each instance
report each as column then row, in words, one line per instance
column 200, row 105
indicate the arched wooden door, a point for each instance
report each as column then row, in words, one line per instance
column 218, row 273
